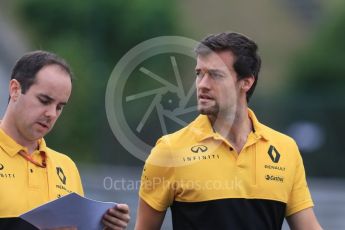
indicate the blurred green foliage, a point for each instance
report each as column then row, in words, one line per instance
column 319, row 68
column 92, row 36
column 316, row 92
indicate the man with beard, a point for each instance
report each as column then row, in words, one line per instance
column 31, row 173
column 225, row 170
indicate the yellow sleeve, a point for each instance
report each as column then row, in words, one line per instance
column 79, row 185
column 300, row 197
column 156, row 187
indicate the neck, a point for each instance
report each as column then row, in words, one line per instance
column 234, row 126
column 9, row 127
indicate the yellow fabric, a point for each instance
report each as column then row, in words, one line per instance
column 24, row 186
column 177, row 168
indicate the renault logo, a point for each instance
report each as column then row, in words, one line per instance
column 274, row 154
column 61, row 175
column 199, row 148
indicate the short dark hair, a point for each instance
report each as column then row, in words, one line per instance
column 247, row 62
column 31, row 63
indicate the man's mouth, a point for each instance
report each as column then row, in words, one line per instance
column 205, row 97
column 44, row 125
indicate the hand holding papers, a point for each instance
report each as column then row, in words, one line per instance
column 69, row 211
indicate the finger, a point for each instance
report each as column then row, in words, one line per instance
column 122, row 214
column 122, row 207
column 113, row 223
column 116, row 220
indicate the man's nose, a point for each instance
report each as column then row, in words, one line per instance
column 51, row 111
column 204, row 81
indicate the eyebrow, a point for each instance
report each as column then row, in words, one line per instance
column 216, row 71
column 50, row 99
column 212, row 71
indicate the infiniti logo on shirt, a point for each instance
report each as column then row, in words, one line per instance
column 199, row 148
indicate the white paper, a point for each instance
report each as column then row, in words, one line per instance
column 70, row 210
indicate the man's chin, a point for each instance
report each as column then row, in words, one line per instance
column 207, row 111
column 39, row 134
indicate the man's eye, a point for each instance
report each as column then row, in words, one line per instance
column 59, row 107
column 216, row 75
column 199, row 74
column 44, row 102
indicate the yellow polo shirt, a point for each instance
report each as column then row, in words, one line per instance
column 24, row 186
column 207, row 184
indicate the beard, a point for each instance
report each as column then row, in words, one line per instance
column 211, row 110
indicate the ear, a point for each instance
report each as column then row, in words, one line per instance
column 247, row 82
column 14, row 89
